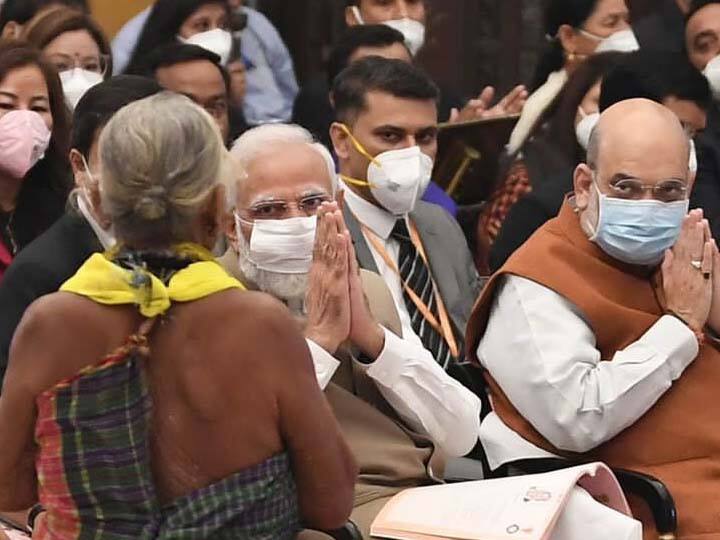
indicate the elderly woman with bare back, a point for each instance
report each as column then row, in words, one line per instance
column 153, row 397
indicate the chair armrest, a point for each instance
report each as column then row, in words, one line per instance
column 648, row 488
column 348, row 532
column 464, row 469
column 656, row 495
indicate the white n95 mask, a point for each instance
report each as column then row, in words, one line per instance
column 284, row 246
column 413, row 31
column 218, row 41
column 712, row 74
column 397, row 178
column 76, row 82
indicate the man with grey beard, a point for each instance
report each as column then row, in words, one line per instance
column 400, row 412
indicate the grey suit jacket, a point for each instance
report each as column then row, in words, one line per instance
column 449, row 257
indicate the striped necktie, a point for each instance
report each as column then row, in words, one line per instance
column 416, row 274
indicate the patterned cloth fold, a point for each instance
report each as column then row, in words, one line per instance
column 95, row 476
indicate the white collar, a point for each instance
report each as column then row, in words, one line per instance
column 378, row 220
column 106, row 238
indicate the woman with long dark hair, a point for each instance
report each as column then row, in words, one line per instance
column 198, row 22
column 34, row 135
column 547, row 161
column 575, row 30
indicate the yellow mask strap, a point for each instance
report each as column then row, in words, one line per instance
column 358, row 146
column 363, row 152
column 355, row 181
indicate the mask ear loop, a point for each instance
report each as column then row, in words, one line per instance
column 358, row 15
column 239, row 220
column 364, row 153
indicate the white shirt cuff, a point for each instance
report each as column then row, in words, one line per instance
column 325, row 364
column 674, row 339
column 390, row 363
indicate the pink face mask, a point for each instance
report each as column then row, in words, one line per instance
column 24, row 138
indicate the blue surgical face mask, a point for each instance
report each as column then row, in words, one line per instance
column 638, row 231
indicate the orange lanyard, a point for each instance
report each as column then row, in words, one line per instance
column 443, row 327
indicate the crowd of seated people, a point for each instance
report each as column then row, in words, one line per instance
column 237, row 304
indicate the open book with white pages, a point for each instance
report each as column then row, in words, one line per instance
column 578, row 503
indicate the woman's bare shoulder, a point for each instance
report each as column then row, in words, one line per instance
column 253, row 321
column 56, row 311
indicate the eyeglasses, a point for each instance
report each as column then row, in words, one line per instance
column 278, row 209
column 634, row 189
column 65, row 62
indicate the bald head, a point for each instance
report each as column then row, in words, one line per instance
column 634, row 133
column 634, row 139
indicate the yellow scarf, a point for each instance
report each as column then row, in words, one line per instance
column 107, row 283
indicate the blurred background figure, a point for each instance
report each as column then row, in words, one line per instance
column 546, row 164
column 34, row 133
column 14, row 14
column 244, row 38
column 198, row 74
column 574, row 30
column 76, row 46
column 54, row 256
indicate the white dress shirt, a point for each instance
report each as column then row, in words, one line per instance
column 543, row 354
column 423, row 395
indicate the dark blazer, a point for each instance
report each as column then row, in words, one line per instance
column 40, row 269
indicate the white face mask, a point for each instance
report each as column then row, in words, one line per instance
column 693, row 164
column 712, row 74
column 622, row 41
column 413, row 31
column 584, row 128
column 399, row 179
column 76, row 82
column 218, row 41
column 284, row 246
column 105, row 236
column 290, row 288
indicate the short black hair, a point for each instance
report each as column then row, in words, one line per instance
column 655, row 76
column 697, row 5
column 374, row 73
column 355, row 37
column 178, row 53
column 102, row 101
column 21, row 11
